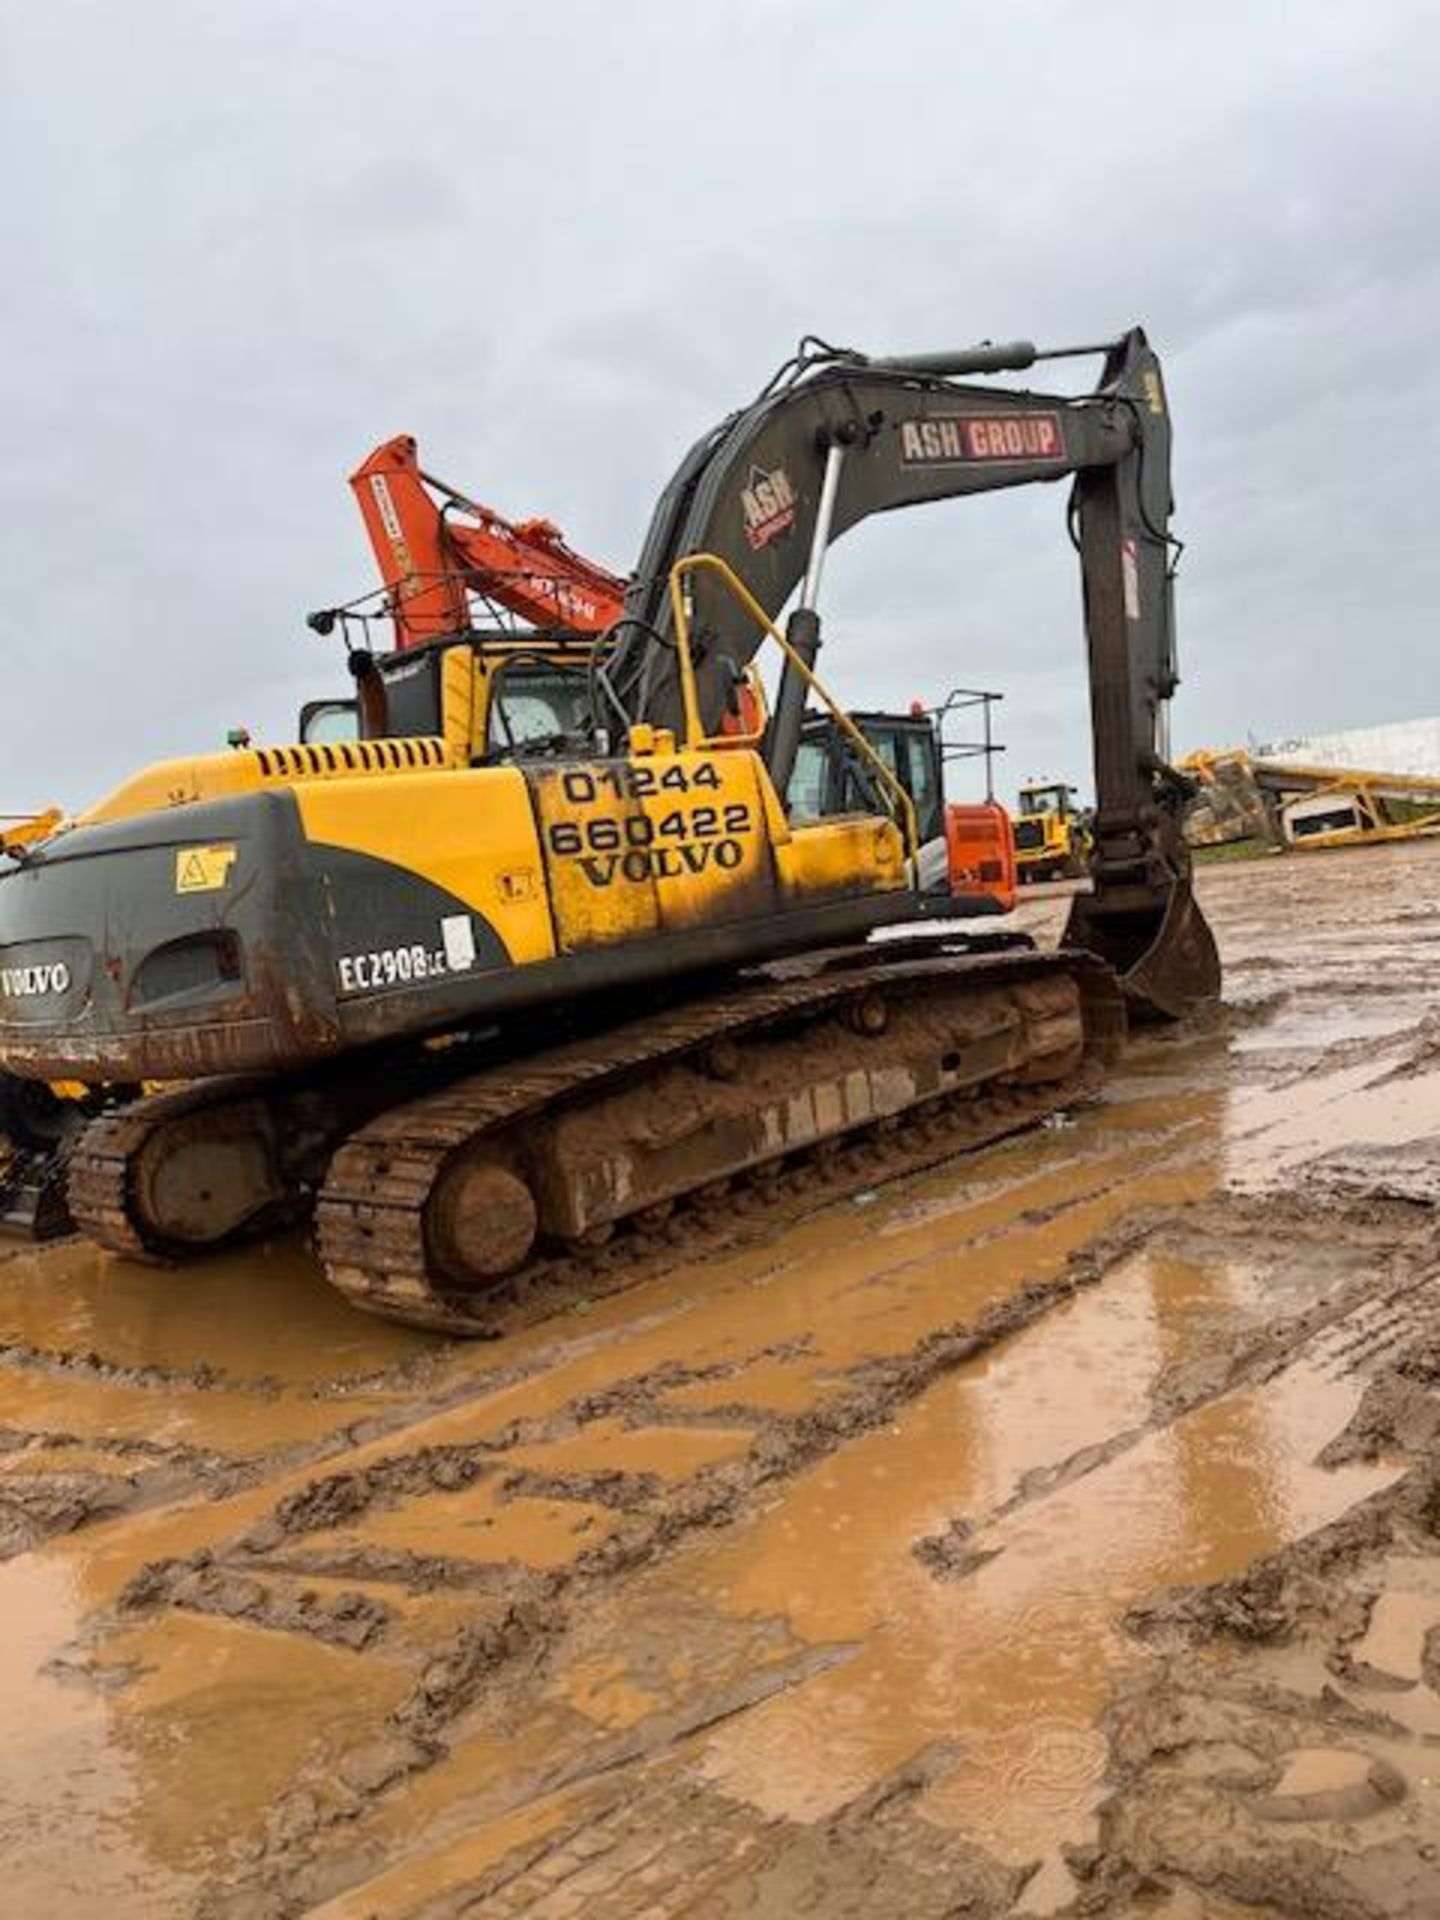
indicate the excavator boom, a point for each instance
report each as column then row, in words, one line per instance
column 434, row 553
column 847, row 436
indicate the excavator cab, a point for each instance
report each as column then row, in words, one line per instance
column 965, row 859
column 830, row 779
column 489, row 696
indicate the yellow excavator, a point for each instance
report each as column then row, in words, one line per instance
column 540, row 957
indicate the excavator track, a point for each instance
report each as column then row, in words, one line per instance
column 1020, row 1034
column 375, row 1217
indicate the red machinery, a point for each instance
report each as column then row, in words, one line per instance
column 434, row 554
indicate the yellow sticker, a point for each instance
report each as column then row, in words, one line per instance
column 1154, row 392
column 203, row 869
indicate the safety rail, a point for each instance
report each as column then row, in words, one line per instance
column 901, row 807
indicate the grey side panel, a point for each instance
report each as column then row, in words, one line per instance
column 122, row 956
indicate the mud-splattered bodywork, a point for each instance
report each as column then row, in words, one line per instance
column 282, row 925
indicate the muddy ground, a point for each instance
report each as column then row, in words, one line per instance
column 1054, row 1532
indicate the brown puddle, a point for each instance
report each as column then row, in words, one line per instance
column 261, row 1313
column 75, row 1819
column 1013, row 1661
column 1044, row 1489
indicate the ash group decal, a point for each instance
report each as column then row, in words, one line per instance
column 641, row 848
column 767, row 502
column 956, row 439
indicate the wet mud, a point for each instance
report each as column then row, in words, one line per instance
column 1053, row 1530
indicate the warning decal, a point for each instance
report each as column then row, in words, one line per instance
column 203, row 869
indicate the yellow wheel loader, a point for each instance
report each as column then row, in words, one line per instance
column 1052, row 836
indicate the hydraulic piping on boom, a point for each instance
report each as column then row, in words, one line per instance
column 842, row 436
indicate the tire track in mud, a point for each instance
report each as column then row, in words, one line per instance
column 1248, row 1363
column 296, row 1563
column 528, row 1611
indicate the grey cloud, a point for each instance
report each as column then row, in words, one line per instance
column 244, row 244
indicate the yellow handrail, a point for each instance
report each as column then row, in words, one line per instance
column 902, row 807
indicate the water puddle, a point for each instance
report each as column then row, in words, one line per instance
column 258, row 1314
column 75, row 1808
column 1271, row 1131
column 1013, row 1660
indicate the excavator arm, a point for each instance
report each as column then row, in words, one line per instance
column 845, row 437
column 434, row 552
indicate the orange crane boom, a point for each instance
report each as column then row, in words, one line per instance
column 434, row 553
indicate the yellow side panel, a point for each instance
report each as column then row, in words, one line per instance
column 470, row 832
column 178, row 783
column 653, row 844
column 670, row 842
column 848, row 855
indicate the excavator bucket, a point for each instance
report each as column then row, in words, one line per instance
column 1165, row 955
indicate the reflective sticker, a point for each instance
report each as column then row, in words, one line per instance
column 389, row 519
column 203, row 869
column 1130, row 573
column 457, row 931
column 1154, row 392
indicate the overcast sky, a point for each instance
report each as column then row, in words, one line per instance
column 242, row 244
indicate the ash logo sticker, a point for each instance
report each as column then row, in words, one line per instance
column 767, row 501
column 950, row 439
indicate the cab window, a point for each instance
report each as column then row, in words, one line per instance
column 806, row 797
column 323, row 722
column 538, row 704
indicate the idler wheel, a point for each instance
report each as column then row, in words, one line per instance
column 483, row 1222
column 202, row 1178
